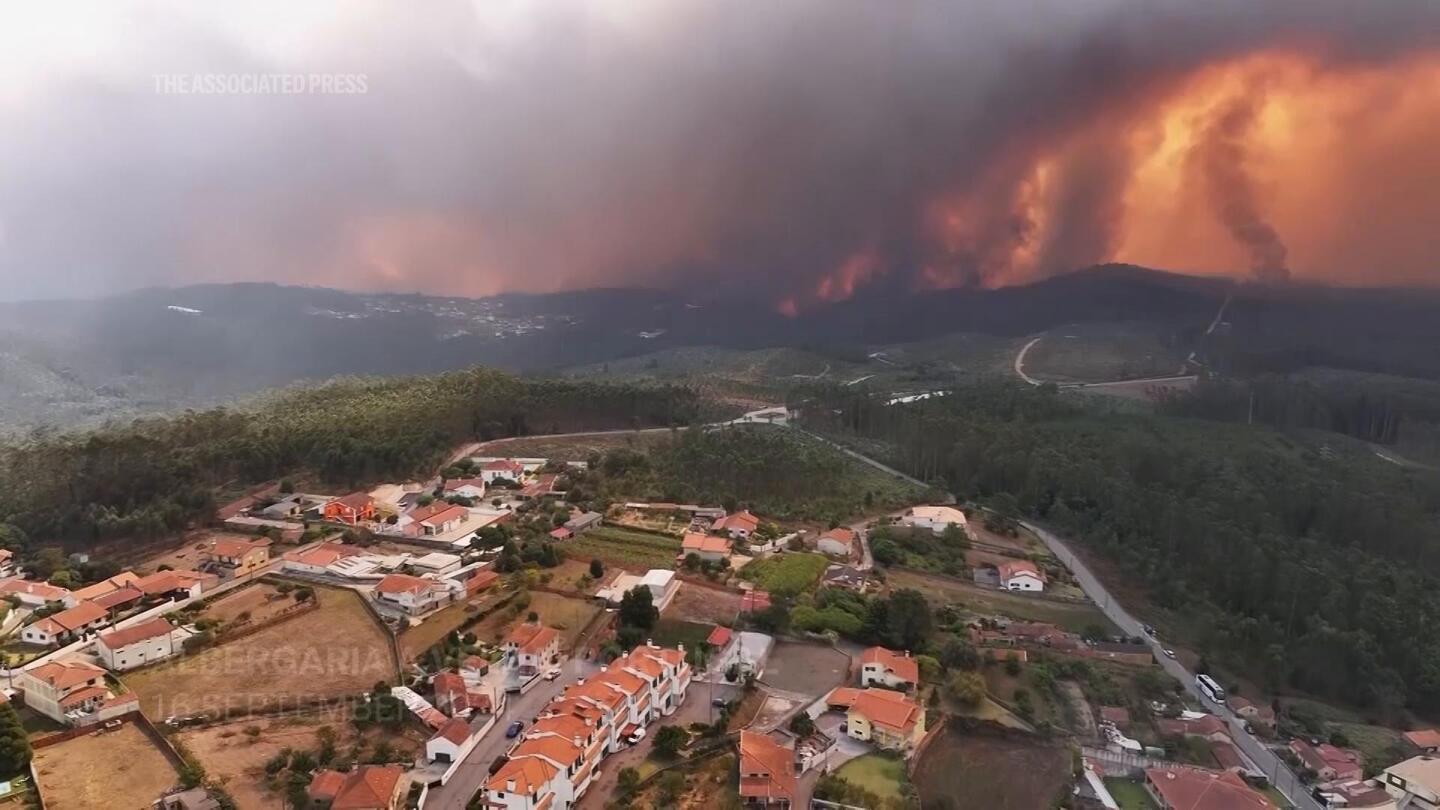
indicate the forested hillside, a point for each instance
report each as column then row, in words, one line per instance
column 157, row 475
column 1304, row 565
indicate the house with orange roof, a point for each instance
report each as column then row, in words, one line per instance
column 667, row 672
column 526, row 783
column 123, row 579
column 352, row 509
column 452, row 742
column 36, row 594
column 459, row 697
column 1197, row 789
column 767, row 772
column 837, row 542
column 139, row 644
column 72, row 693
column 882, row 667
column 1330, row 763
column 532, row 646
column 881, row 717
column 436, row 519
column 1258, row 713
column 368, row 787
column 708, row 548
column 739, row 525
column 234, row 556
column 507, row 469
column 65, row 625
column 176, row 584
column 473, row 488
column 1425, row 740
column 117, row 601
column 1021, row 575
column 318, row 558
column 413, row 595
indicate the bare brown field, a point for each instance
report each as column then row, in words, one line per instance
column 992, row 772
column 416, row 640
column 237, row 759
column 334, row 651
column 260, row 600
column 566, row 614
column 572, row 448
column 119, row 769
column 694, row 603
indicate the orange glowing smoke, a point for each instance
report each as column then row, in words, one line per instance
column 1264, row 165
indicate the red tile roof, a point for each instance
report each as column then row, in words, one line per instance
column 119, row 597
column 42, row 590
column 704, row 544
column 528, row 774
column 767, row 769
column 234, row 547
column 82, row 615
column 456, row 731
column 404, row 583
column 148, row 629
column 1423, row 738
column 1195, row 789
column 65, row 674
column 902, row 666
column 438, row 513
column 742, row 520
column 367, row 787
column 718, row 637
column 1014, row 568
column 82, row 696
column 355, row 500
column 531, row 638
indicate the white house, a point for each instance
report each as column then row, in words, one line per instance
column 7, row 562
column 533, row 647
column 64, row 625
column 414, row 595
column 436, row 563
column 838, row 542
column 436, row 519
column 739, row 525
column 708, row 548
column 473, row 488
column 1021, row 575
column 936, row 518
column 452, row 743
column 140, row 644
column 882, row 667
column 73, row 693
column 37, row 594
column 1417, row 777
column 504, row 468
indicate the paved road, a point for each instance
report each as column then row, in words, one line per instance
column 1278, row 772
column 475, row 768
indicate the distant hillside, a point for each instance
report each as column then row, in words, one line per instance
column 66, row 363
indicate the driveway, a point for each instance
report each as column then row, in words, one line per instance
column 1278, row 772
column 475, row 768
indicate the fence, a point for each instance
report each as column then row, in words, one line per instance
column 1132, row 764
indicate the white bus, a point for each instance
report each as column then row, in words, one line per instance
column 1209, row 688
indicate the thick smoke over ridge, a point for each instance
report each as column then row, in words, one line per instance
column 799, row 152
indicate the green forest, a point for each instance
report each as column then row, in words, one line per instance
column 154, row 476
column 1299, row 564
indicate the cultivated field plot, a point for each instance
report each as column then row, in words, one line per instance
column 574, row 448
column 120, row 770
column 333, row 651
column 650, row 520
column 1072, row 616
column 786, row 574
column 566, row 614
column 416, row 640
column 807, row 669
column 992, row 772
column 235, row 753
column 257, row 602
column 627, row 549
column 877, row 774
column 671, row 632
column 1024, row 541
column 695, row 603
column 1101, row 352
column 184, row 555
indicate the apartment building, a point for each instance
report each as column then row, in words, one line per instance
column 555, row 762
column 73, row 693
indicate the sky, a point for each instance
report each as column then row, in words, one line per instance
column 799, row 152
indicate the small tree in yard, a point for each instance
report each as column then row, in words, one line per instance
column 668, row 741
column 671, row 786
column 597, row 568
column 627, row 781
column 802, row 725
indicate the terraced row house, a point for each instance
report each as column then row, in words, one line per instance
column 554, row 763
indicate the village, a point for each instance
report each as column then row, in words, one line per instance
column 482, row 640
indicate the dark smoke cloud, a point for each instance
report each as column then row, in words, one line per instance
column 1222, row 158
column 719, row 147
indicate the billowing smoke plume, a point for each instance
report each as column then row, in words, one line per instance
column 1222, row 158
column 800, row 152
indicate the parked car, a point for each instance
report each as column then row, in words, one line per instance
column 1169, row 653
column 1149, row 631
column 513, row 730
column 552, row 674
column 636, row 737
column 719, row 703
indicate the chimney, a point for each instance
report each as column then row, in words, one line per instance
column 576, row 740
column 604, row 668
column 509, row 785
column 650, row 642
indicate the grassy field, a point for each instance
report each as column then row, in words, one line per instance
column 879, row 775
column 992, row 772
column 1101, row 352
column 786, row 574
column 237, row 759
column 670, row 632
column 119, row 769
column 416, row 640
column 624, row 548
column 566, row 614
column 942, row 590
column 1381, row 746
column 333, row 651
column 1129, row 794
column 574, row 448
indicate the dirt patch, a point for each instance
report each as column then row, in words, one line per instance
column 1072, row 616
column 566, row 614
column 992, row 772
column 806, row 669
column 235, row 753
column 260, row 600
column 696, row 603
column 772, row 711
column 707, row 784
column 336, row 650
column 573, row 448
column 121, row 769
